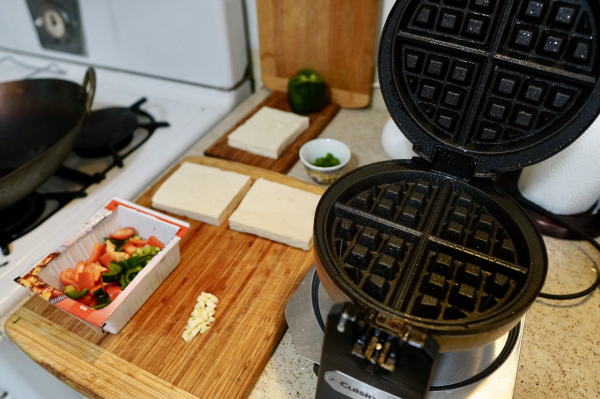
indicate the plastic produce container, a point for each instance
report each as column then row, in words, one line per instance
column 44, row 278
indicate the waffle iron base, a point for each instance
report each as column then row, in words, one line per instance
column 310, row 304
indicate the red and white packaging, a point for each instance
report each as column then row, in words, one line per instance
column 44, row 278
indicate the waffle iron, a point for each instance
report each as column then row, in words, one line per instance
column 428, row 255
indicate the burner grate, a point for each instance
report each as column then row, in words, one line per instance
column 110, row 130
column 24, row 216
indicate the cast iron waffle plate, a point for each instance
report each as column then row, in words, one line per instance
column 511, row 82
column 429, row 249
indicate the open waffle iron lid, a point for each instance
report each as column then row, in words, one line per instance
column 508, row 83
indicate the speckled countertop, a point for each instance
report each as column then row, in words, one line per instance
column 560, row 355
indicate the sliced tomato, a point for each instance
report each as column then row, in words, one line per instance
column 123, row 234
column 86, row 280
column 99, row 250
column 138, row 243
column 93, row 303
column 129, row 248
column 67, row 277
column 105, row 259
column 153, row 241
column 86, row 300
column 113, row 292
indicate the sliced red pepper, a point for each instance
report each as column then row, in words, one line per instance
column 67, row 277
column 96, row 269
column 113, row 292
column 78, row 269
column 86, row 280
column 105, row 259
column 153, row 242
column 99, row 250
column 129, row 248
column 138, row 243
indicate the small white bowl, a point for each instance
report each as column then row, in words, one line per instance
column 319, row 148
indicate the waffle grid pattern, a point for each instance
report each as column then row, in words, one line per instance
column 426, row 250
column 534, row 60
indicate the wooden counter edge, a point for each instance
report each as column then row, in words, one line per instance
column 85, row 367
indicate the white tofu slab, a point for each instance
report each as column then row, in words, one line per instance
column 277, row 212
column 268, row 132
column 202, row 193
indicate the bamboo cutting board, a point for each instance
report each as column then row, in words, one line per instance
column 289, row 157
column 253, row 279
column 334, row 37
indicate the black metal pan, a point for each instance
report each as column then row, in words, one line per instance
column 39, row 120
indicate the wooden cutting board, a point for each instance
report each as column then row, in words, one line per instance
column 334, row 37
column 253, row 279
column 289, row 157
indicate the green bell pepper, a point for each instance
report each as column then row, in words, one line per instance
column 307, row 92
column 113, row 274
column 72, row 293
column 132, row 273
column 101, row 305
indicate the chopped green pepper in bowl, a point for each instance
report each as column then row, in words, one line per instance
column 327, row 161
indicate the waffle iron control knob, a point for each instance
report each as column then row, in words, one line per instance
column 357, row 354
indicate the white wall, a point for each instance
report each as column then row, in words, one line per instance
column 384, row 8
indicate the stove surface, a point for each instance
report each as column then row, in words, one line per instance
column 310, row 304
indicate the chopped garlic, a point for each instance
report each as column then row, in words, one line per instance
column 202, row 316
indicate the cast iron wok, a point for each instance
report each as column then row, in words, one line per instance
column 39, row 120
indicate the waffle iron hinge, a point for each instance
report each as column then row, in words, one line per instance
column 454, row 163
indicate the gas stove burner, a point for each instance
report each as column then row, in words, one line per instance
column 17, row 218
column 110, row 130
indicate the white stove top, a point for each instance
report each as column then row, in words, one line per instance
column 190, row 110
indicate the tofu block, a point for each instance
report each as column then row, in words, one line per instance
column 277, row 212
column 202, row 193
column 268, row 132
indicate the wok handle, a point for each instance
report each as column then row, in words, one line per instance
column 88, row 89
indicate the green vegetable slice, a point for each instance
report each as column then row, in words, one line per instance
column 327, row 161
column 99, row 293
column 130, row 263
column 145, row 259
column 122, row 281
column 101, row 305
column 113, row 274
column 72, row 293
column 132, row 273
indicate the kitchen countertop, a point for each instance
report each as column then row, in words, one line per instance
column 560, row 354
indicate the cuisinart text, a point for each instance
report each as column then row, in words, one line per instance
column 354, row 388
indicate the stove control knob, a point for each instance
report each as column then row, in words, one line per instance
column 54, row 23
